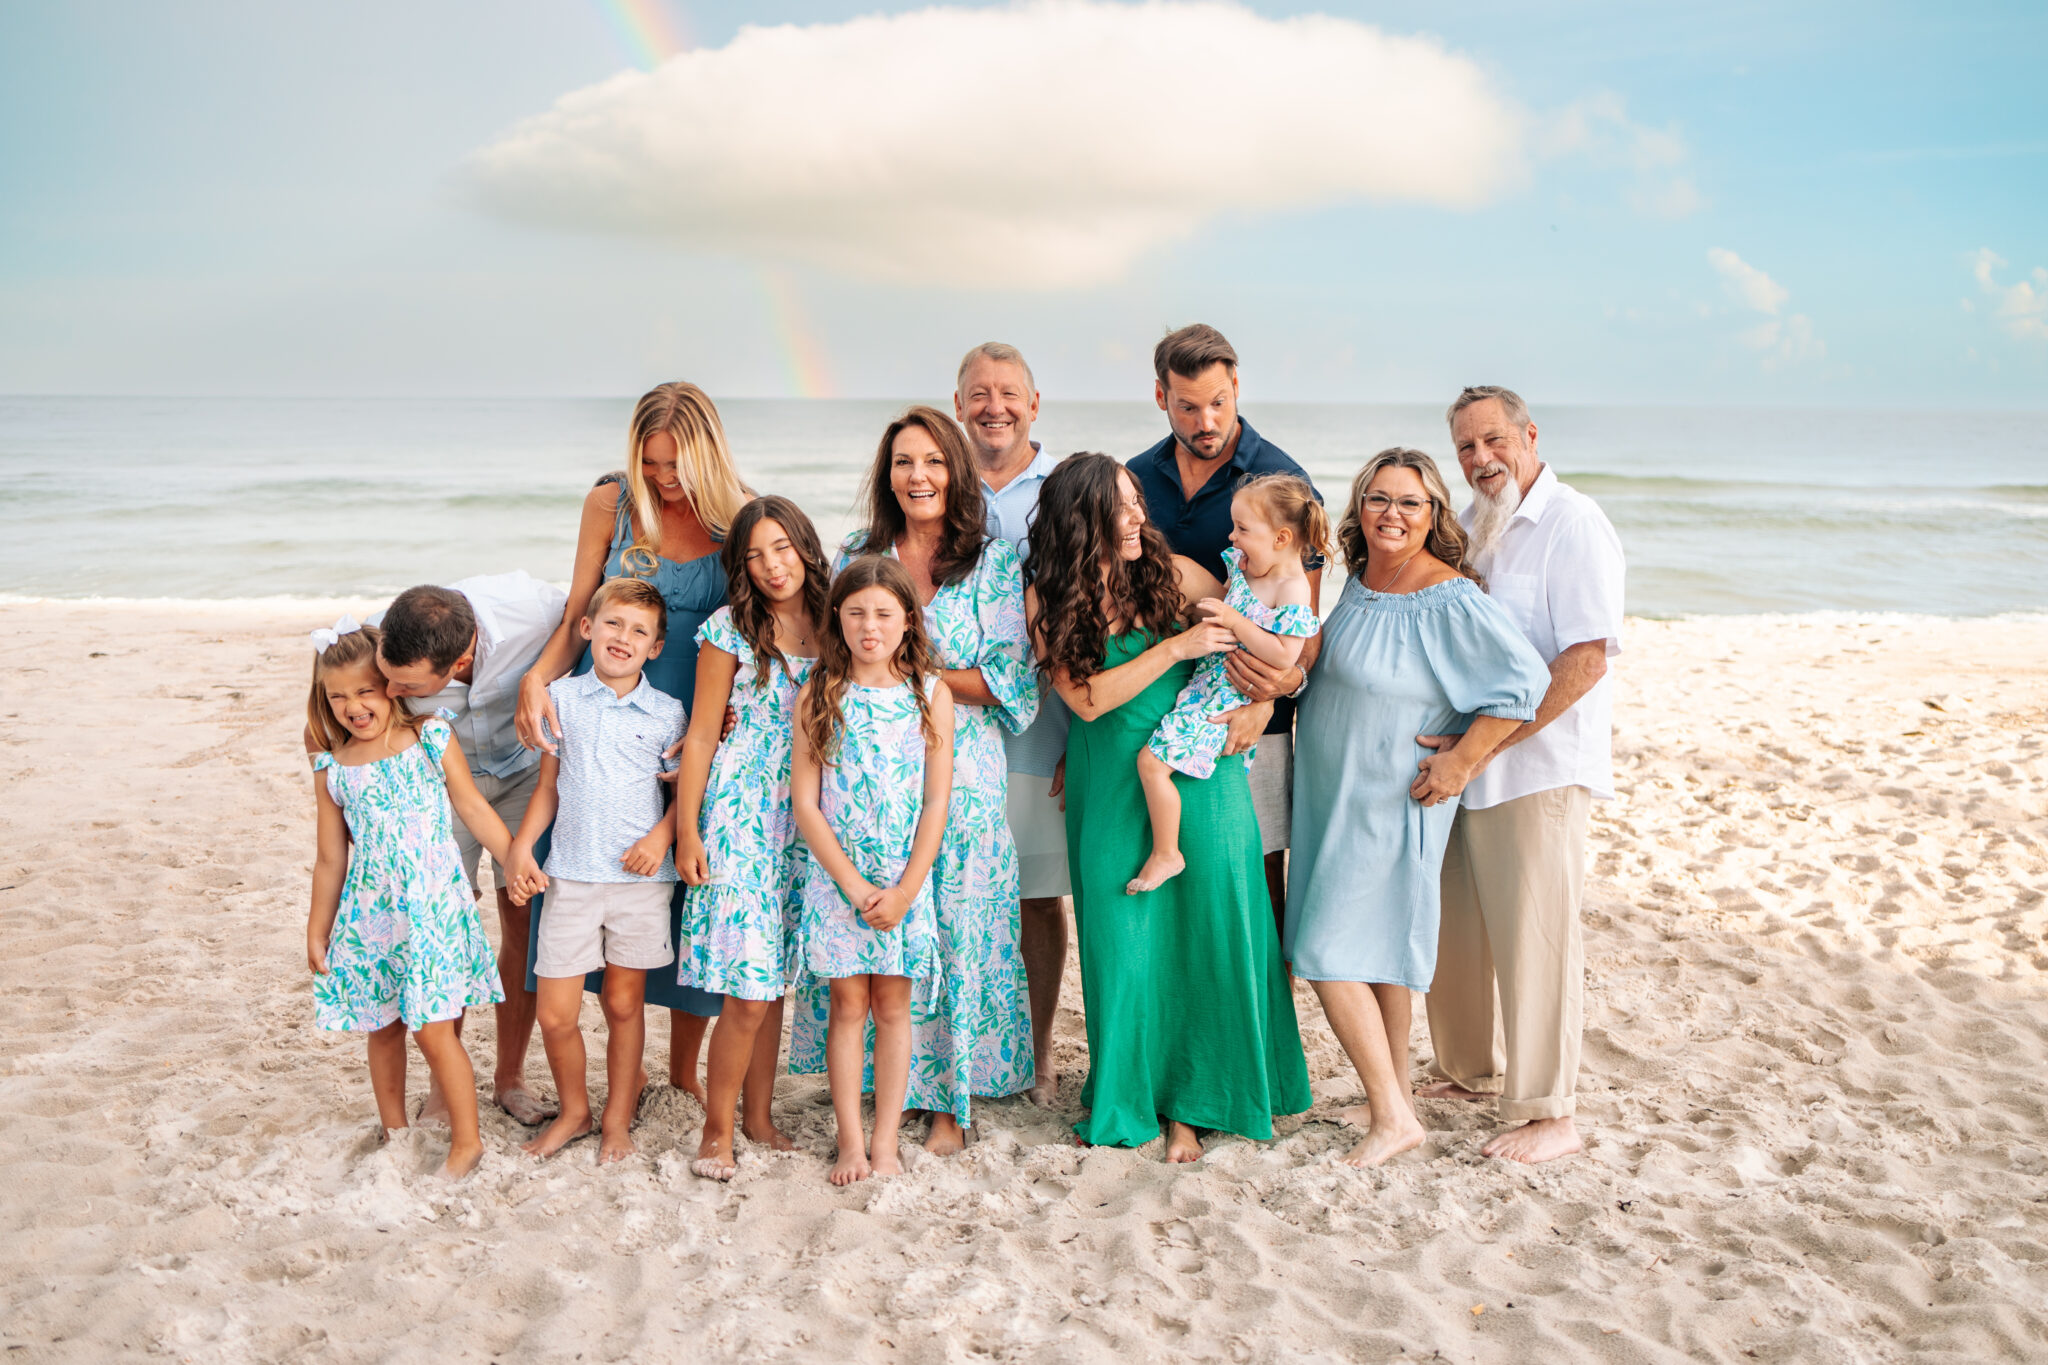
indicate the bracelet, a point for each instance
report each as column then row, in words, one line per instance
column 1303, row 685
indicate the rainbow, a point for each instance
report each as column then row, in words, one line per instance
column 649, row 32
column 803, row 354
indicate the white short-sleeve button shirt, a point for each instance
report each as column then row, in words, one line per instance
column 1559, row 572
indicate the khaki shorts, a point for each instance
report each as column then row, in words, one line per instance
column 1271, row 778
column 508, row 796
column 588, row 925
column 1039, row 827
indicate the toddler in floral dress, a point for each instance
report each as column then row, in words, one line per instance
column 870, row 778
column 1276, row 524
column 736, row 841
column 393, row 938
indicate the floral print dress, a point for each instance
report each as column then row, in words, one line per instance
column 970, row 1020
column 1187, row 740
column 871, row 793
column 407, row 943
column 739, row 927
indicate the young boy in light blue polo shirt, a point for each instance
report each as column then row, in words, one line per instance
column 610, row 871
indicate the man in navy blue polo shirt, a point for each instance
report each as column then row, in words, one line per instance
column 1188, row 480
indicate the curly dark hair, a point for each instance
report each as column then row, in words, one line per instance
column 917, row 663
column 1075, row 570
column 966, row 526
column 752, row 614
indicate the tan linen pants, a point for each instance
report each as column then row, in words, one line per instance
column 1506, row 1008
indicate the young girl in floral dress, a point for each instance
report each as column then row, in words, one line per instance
column 870, row 778
column 393, row 939
column 736, row 840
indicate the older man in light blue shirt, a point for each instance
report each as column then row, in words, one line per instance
column 996, row 400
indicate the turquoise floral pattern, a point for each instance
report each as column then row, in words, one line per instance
column 871, row 793
column 740, row 926
column 1188, row 740
column 970, row 1021
column 407, row 943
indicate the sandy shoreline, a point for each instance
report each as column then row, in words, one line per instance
column 1816, row 1075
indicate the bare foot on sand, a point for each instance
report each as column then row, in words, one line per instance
column 714, row 1159
column 519, row 1102
column 1360, row 1115
column 768, row 1136
column 1157, row 870
column 690, row 1083
column 1380, row 1143
column 851, row 1166
column 461, row 1161
column 564, row 1130
column 887, row 1161
column 434, row 1113
column 615, row 1146
column 1182, row 1146
column 1451, row 1090
column 1045, row 1090
column 944, row 1139
column 1537, row 1140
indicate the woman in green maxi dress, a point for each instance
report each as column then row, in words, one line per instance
column 1189, row 1015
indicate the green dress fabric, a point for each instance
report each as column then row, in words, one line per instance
column 1189, row 1012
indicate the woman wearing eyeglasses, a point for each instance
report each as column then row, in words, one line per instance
column 1412, row 644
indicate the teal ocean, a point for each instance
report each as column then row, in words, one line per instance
column 1721, row 510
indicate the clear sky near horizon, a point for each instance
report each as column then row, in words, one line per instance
column 1825, row 204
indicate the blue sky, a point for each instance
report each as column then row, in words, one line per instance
column 1730, row 203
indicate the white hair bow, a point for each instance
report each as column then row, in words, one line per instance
column 325, row 639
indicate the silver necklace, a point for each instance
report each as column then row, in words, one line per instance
column 1397, row 575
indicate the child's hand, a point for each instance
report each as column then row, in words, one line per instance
column 529, row 886
column 860, row 893
column 643, row 859
column 1216, row 610
column 523, row 879
column 692, row 863
column 887, row 909
column 316, row 956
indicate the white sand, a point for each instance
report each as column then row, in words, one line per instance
column 1815, row 1087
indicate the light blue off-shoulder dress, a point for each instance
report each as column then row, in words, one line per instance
column 1362, row 886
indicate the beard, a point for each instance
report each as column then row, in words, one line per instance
column 1491, row 514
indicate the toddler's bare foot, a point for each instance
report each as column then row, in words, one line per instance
column 1045, row 1090
column 768, row 1135
column 461, row 1161
column 1396, row 1137
column 615, row 1145
column 519, row 1102
column 714, row 1159
column 888, row 1161
column 944, row 1139
column 1158, row 869
column 434, row 1113
column 564, row 1130
column 850, row 1167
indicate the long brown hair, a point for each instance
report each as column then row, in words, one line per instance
column 356, row 647
column 703, row 463
column 752, row 614
column 819, row 711
column 1074, row 569
column 1446, row 539
column 965, row 529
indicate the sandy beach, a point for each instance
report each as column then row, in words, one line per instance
column 1815, row 1087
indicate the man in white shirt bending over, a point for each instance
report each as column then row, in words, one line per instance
column 464, row 648
column 1506, row 1009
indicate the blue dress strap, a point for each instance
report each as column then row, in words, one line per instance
column 622, row 511
column 322, row 761
column 434, row 736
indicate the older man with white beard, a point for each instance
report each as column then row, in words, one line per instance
column 1505, row 1009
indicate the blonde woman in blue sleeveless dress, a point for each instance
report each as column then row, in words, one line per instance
column 662, row 518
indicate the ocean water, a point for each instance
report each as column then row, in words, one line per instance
column 1720, row 510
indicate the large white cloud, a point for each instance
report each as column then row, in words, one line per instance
column 1048, row 144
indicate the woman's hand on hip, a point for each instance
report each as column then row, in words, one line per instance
column 536, row 719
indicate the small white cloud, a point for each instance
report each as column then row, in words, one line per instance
column 1599, row 129
column 1045, row 144
column 2023, row 305
column 1779, row 341
column 1754, row 288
